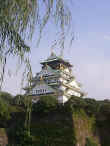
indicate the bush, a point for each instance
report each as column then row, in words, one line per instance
column 19, row 100
column 77, row 102
column 4, row 110
column 92, row 106
column 90, row 142
column 45, row 104
column 6, row 97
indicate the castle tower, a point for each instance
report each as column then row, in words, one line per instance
column 55, row 78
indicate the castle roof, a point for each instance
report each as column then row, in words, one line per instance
column 53, row 58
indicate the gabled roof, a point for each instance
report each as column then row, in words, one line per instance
column 53, row 57
column 51, row 70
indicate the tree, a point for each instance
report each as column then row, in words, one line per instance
column 28, row 106
column 6, row 97
column 4, row 110
column 18, row 19
column 90, row 142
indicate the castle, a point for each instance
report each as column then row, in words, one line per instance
column 55, row 78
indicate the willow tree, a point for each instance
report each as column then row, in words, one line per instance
column 19, row 18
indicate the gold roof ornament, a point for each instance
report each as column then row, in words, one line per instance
column 41, row 78
column 61, row 67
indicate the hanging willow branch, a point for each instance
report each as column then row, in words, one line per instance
column 19, row 19
column 3, row 61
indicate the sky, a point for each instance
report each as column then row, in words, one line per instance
column 89, row 53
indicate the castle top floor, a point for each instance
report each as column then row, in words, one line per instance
column 56, row 62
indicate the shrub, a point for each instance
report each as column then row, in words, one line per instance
column 4, row 110
column 45, row 104
column 6, row 97
column 90, row 142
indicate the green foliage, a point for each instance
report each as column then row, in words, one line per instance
column 23, row 138
column 18, row 16
column 105, row 109
column 19, row 135
column 6, row 97
column 18, row 20
column 45, row 104
column 90, row 106
column 4, row 110
column 90, row 142
column 53, row 124
column 75, row 104
column 103, row 122
column 20, row 100
column 5, row 101
column 55, row 129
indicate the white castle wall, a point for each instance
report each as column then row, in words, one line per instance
column 62, row 99
column 71, row 92
column 74, row 84
column 41, row 89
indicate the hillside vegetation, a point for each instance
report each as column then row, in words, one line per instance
column 80, row 122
